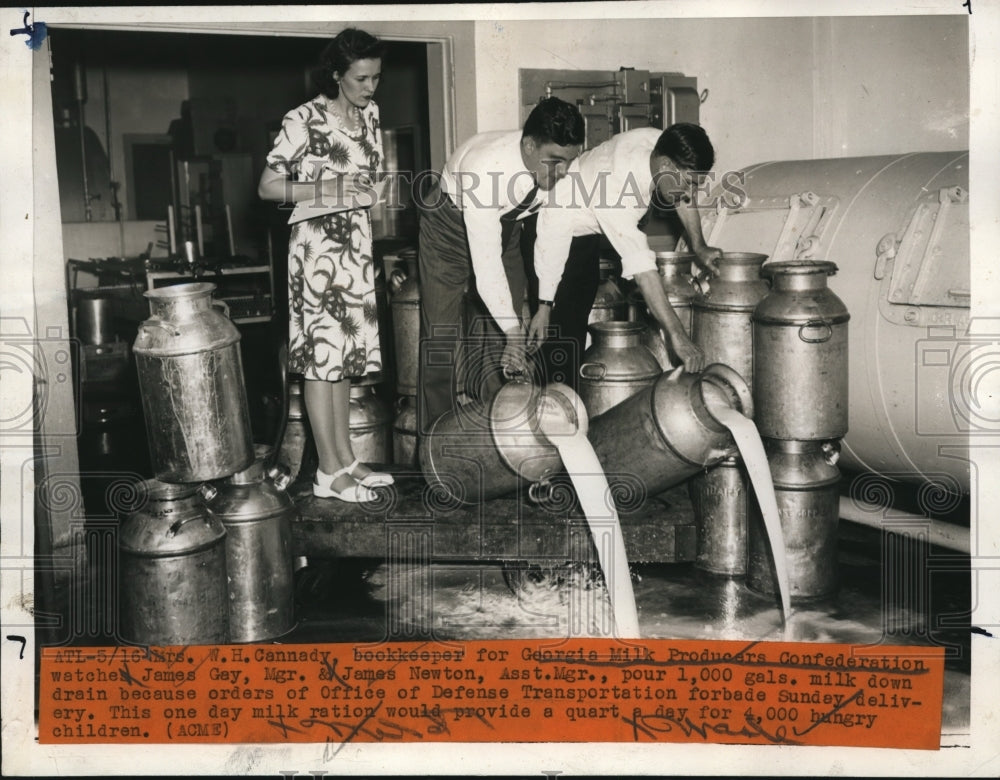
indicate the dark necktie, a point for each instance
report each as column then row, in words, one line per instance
column 523, row 206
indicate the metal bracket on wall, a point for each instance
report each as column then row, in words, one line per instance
column 800, row 220
column 921, row 284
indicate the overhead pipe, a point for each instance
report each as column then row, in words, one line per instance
column 80, row 94
column 938, row 532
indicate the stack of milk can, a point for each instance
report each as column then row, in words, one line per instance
column 785, row 332
column 800, row 396
column 205, row 556
column 721, row 326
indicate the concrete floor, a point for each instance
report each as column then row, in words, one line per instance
column 347, row 598
column 370, row 600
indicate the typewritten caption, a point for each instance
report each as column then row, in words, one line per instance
column 730, row 692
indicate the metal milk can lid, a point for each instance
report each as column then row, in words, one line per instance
column 256, row 492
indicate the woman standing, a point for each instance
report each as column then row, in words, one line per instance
column 328, row 152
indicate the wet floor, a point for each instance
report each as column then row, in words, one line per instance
column 361, row 600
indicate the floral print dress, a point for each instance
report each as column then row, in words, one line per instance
column 332, row 313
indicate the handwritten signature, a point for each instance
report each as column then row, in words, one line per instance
column 651, row 724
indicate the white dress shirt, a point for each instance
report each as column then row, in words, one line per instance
column 486, row 178
column 606, row 190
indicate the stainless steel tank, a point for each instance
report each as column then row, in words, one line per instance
column 369, row 425
column 405, row 297
column 800, row 354
column 669, row 431
column 615, row 366
column 897, row 227
column 675, row 274
column 720, row 323
column 191, row 381
column 720, row 499
column 94, row 320
column 487, row 450
column 806, row 487
column 257, row 513
column 172, row 569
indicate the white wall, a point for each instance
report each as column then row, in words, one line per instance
column 779, row 88
column 892, row 84
column 131, row 109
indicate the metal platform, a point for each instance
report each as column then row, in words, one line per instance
column 412, row 519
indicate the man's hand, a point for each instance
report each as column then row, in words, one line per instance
column 689, row 352
column 538, row 327
column 708, row 258
column 515, row 353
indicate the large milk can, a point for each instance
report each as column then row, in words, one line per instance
column 720, row 499
column 369, row 425
column 800, row 354
column 609, row 302
column 670, row 431
column 615, row 366
column 257, row 514
column 172, row 569
column 806, row 487
column 675, row 275
column 486, row 450
column 191, row 381
column 405, row 327
column 721, row 324
column 404, row 432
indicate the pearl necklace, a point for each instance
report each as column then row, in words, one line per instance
column 345, row 118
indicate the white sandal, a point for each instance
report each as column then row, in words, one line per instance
column 355, row 494
column 373, row 479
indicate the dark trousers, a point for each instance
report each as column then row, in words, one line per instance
column 460, row 344
column 561, row 353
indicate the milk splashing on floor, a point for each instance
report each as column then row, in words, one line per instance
column 755, row 459
column 591, row 485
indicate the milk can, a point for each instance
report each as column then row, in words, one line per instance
column 615, row 366
column 671, row 430
column 404, row 432
column 720, row 497
column 800, row 354
column 405, row 327
column 191, row 382
column 172, row 569
column 257, row 514
column 721, row 324
column 483, row 451
column 675, row 274
column 369, row 425
column 806, row 486
column 609, row 302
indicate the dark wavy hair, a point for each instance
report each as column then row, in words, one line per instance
column 687, row 145
column 555, row 121
column 339, row 54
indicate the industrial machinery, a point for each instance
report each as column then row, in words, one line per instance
column 615, row 101
column 897, row 228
